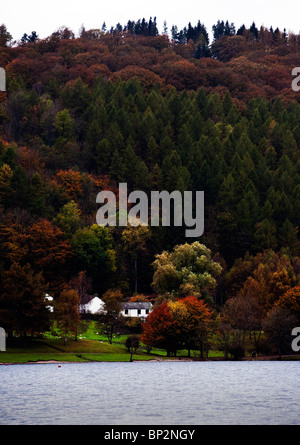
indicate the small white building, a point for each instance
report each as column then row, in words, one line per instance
column 136, row 309
column 91, row 304
column 49, row 299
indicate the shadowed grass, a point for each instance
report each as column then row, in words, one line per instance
column 43, row 350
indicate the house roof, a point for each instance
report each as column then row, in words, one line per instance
column 87, row 298
column 137, row 305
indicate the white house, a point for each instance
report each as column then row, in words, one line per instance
column 50, row 307
column 136, row 309
column 91, row 304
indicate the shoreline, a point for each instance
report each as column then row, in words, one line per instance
column 175, row 359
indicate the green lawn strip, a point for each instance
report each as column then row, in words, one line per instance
column 28, row 357
column 116, row 357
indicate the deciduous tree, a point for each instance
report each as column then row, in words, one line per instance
column 290, row 300
column 187, row 270
column 67, row 313
column 111, row 318
column 161, row 329
column 22, row 301
column 278, row 324
column 94, row 253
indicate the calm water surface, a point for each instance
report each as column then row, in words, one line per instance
column 178, row 393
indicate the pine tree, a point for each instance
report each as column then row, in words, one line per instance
column 103, row 155
column 117, row 169
column 265, row 235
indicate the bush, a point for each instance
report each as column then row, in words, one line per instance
column 264, row 347
column 148, row 349
column 237, row 351
column 132, row 342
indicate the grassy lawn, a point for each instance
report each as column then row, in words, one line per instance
column 28, row 357
column 83, row 350
column 89, row 331
column 79, row 351
column 90, row 346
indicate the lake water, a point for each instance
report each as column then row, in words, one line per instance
column 170, row 393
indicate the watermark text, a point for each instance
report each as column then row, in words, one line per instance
column 168, row 209
column 2, row 79
column 2, row 340
column 296, row 341
column 296, row 81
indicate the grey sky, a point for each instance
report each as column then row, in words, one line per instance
column 45, row 17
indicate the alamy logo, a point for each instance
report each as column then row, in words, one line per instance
column 296, row 341
column 2, row 340
column 296, row 81
column 164, row 208
column 2, row 79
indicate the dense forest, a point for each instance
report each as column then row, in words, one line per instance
column 159, row 111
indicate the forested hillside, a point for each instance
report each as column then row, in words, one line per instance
column 159, row 112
